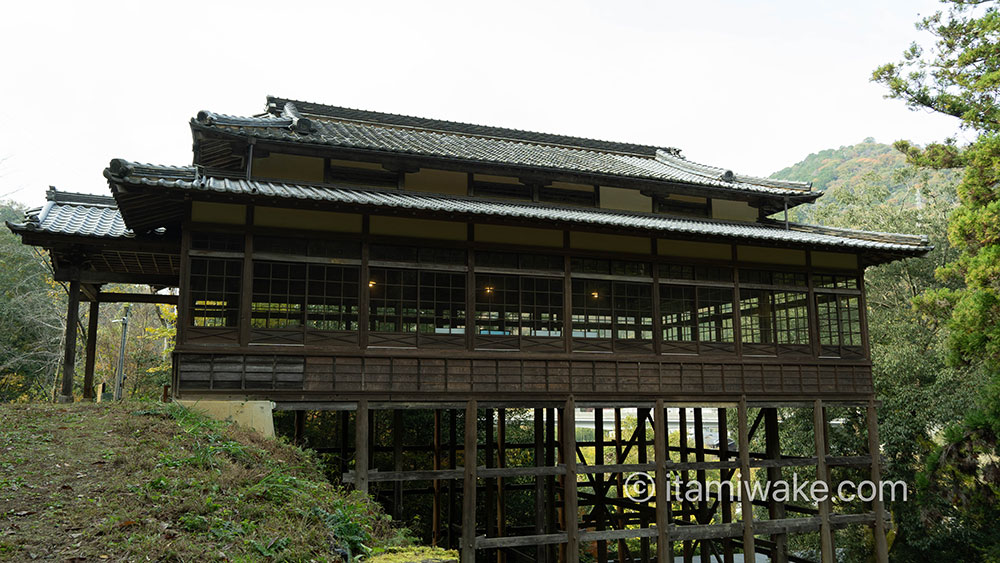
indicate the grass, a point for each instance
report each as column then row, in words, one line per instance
column 155, row 482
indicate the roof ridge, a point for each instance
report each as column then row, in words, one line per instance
column 77, row 198
column 724, row 174
column 276, row 104
column 880, row 236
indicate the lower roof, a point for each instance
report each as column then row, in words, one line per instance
column 123, row 176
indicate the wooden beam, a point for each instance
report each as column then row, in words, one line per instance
column 91, row 361
column 469, row 484
column 119, row 297
column 93, row 277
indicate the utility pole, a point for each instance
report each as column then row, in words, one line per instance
column 120, row 377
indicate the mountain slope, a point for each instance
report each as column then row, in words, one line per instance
column 876, row 172
column 148, row 481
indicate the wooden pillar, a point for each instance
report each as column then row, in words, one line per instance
column 469, row 484
column 539, row 428
column 550, row 481
column 246, row 283
column 436, row 484
column 88, row 368
column 746, row 507
column 727, row 503
column 501, row 463
column 600, row 490
column 397, row 463
column 664, row 549
column 823, row 474
column 775, row 509
column 452, row 464
column 688, row 551
column 701, row 476
column 878, row 507
column 361, row 447
column 300, row 427
column 642, row 415
column 620, row 484
column 571, row 505
column 69, row 349
column 345, row 436
column 489, row 492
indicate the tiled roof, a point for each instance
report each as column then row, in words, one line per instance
column 69, row 213
column 302, row 122
column 145, row 175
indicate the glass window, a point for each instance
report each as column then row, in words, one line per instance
column 637, row 269
column 579, row 265
column 392, row 253
column 839, row 320
column 677, row 313
column 756, row 312
column 415, row 301
column 332, row 303
column 832, row 281
column 497, row 308
column 676, row 272
column 442, row 303
column 791, row 317
column 499, row 260
column 215, row 291
column 514, row 261
column 223, row 242
column 541, row 306
column 393, row 300
column 713, row 273
column 715, row 314
column 279, row 290
column 769, row 277
column 633, row 309
column 591, row 309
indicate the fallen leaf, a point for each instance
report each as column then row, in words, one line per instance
column 126, row 524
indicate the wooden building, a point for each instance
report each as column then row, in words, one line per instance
column 336, row 259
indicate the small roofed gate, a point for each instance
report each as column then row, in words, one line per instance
column 502, row 281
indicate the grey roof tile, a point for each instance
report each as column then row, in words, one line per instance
column 68, row 213
column 799, row 234
column 343, row 127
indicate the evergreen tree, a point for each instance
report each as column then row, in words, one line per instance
column 960, row 77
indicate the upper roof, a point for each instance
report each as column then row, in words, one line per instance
column 123, row 175
column 303, row 122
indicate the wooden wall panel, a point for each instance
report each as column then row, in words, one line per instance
column 411, row 377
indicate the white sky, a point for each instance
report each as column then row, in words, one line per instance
column 751, row 86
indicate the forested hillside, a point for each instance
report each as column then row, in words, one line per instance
column 875, row 169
